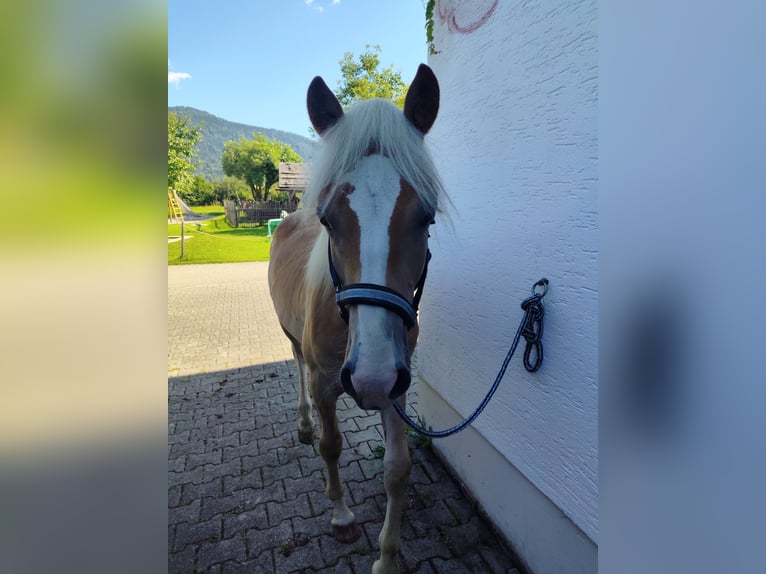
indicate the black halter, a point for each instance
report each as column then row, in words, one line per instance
column 377, row 295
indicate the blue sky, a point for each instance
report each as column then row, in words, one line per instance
column 251, row 61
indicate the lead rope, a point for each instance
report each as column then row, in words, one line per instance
column 531, row 327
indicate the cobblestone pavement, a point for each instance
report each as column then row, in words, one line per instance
column 244, row 495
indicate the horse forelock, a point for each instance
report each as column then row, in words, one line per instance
column 379, row 127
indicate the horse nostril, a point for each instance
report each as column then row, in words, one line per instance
column 401, row 385
column 345, row 382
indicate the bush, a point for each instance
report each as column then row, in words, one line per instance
column 198, row 191
column 230, row 188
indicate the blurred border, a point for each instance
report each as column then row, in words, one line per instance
column 681, row 210
column 83, row 296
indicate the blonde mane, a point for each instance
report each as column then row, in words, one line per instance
column 375, row 125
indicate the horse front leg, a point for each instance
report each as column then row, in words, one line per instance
column 305, row 423
column 344, row 527
column 396, row 475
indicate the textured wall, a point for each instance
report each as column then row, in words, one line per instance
column 516, row 144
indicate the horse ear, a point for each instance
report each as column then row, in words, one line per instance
column 422, row 102
column 324, row 108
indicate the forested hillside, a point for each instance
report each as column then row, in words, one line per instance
column 216, row 131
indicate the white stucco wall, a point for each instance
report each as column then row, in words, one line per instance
column 516, row 145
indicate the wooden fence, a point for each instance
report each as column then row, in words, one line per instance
column 254, row 213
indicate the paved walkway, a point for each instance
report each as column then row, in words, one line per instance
column 244, row 494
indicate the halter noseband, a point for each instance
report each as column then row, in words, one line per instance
column 377, row 295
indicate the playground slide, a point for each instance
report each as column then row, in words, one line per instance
column 186, row 209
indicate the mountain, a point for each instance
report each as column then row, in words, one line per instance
column 216, row 130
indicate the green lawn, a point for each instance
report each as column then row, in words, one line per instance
column 215, row 241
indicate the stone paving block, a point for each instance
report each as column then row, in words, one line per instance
column 188, row 513
column 335, row 553
column 177, row 464
column 261, row 431
column 249, row 567
column 497, row 560
column 251, row 463
column 203, row 458
column 261, row 541
column 363, row 450
column 191, row 492
column 274, row 492
column 423, row 568
column 245, row 480
column 350, row 472
column 362, row 490
column 363, row 564
column 222, row 504
column 279, row 511
column 425, row 521
column 310, row 464
column 445, row 489
column 317, row 525
column 280, row 471
column 174, row 496
column 235, row 452
column 207, row 432
column 419, row 550
column 469, row 535
column 241, row 522
column 182, row 562
column 372, row 468
column 296, row 554
column 185, row 448
column 364, row 422
column 197, row 532
column 230, row 468
column 343, row 566
column 218, row 552
column 372, row 433
column 283, row 441
column 304, row 484
column 460, row 508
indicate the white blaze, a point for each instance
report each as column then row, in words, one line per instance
column 376, row 188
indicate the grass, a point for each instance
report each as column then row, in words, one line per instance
column 215, row 241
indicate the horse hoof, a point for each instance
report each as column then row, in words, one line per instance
column 346, row 533
column 306, row 436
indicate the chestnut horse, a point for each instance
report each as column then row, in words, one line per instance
column 359, row 246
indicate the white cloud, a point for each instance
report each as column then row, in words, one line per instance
column 176, row 77
column 322, row 5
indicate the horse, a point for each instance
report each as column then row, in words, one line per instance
column 345, row 277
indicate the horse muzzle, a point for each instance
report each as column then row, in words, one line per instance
column 374, row 389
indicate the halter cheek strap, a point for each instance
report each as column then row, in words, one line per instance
column 377, row 295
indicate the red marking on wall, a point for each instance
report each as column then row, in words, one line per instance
column 451, row 12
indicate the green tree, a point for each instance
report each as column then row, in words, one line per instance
column 196, row 191
column 228, row 187
column 257, row 161
column 364, row 79
column 182, row 142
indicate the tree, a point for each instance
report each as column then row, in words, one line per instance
column 257, row 161
column 182, row 141
column 196, row 191
column 229, row 187
column 365, row 79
